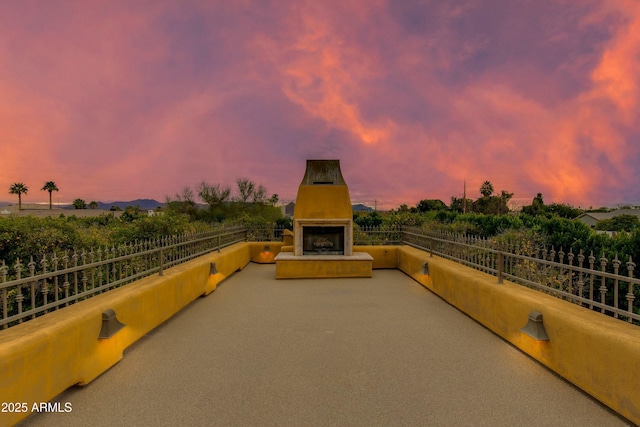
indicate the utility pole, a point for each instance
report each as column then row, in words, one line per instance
column 464, row 197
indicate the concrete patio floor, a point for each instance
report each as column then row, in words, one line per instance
column 382, row 351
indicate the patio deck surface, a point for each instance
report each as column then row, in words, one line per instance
column 378, row 351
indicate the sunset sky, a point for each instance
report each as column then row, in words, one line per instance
column 118, row 100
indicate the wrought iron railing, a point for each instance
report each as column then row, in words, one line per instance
column 589, row 281
column 377, row 235
column 260, row 233
column 54, row 281
column 57, row 280
column 361, row 235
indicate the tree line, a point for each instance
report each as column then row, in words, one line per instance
column 220, row 204
column 20, row 188
column 536, row 226
column 202, row 209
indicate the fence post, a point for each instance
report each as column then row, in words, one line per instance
column 630, row 295
column 500, row 266
column 161, row 261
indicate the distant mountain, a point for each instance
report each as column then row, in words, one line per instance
column 359, row 207
column 144, row 204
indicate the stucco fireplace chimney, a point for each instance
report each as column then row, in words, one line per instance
column 323, row 228
column 323, row 217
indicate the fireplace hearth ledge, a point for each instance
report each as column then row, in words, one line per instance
column 290, row 266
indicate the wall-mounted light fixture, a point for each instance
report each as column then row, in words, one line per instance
column 110, row 324
column 266, row 248
column 534, row 327
column 212, row 269
column 425, row 268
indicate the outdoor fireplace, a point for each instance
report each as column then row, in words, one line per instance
column 323, row 217
column 322, row 228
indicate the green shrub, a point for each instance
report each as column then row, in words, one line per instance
column 23, row 237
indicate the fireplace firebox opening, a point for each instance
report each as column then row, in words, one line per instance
column 323, row 240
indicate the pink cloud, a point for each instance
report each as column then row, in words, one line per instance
column 116, row 101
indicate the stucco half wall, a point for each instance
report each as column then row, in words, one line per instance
column 42, row 357
column 597, row 353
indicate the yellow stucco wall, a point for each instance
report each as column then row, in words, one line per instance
column 43, row 357
column 599, row 354
column 264, row 252
column 323, row 201
column 383, row 256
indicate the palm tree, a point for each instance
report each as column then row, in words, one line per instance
column 486, row 189
column 49, row 186
column 79, row 204
column 19, row 189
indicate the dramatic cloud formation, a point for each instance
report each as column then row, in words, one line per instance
column 122, row 100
